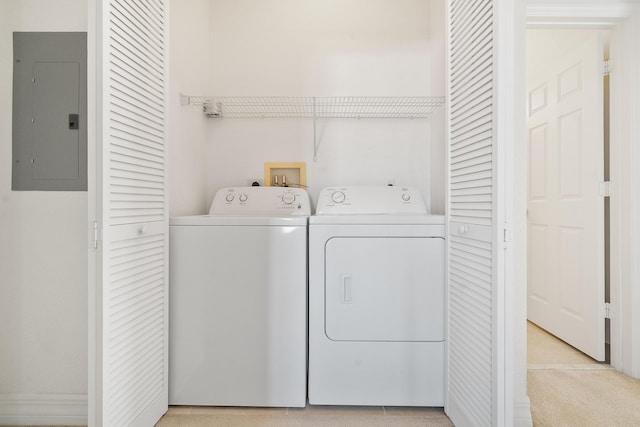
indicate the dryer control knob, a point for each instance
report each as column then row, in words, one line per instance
column 338, row 197
column 230, row 197
column 288, row 198
column 406, row 197
column 243, row 197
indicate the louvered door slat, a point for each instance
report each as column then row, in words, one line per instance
column 473, row 180
column 478, row 181
column 469, row 146
column 475, row 111
column 471, row 88
column 477, row 138
column 471, row 212
column 135, row 145
column 466, row 169
column 482, row 100
column 129, row 38
column 476, row 38
column 473, row 24
column 144, row 127
column 464, row 11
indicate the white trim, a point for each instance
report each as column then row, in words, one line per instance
column 92, row 186
column 508, row 325
column 587, row 15
column 633, row 290
column 522, row 416
column 43, row 409
column 447, row 133
column 625, row 199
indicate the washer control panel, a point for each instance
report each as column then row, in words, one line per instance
column 272, row 201
column 370, row 200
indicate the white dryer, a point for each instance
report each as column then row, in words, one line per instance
column 238, row 300
column 376, row 299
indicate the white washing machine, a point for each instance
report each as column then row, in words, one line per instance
column 376, row 299
column 238, row 300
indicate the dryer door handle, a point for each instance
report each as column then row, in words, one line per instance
column 346, row 289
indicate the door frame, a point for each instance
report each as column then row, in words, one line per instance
column 625, row 245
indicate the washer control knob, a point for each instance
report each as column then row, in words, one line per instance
column 406, row 197
column 288, row 198
column 338, row 197
column 243, row 197
column 230, row 197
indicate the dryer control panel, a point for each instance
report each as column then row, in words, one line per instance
column 370, row 200
column 269, row 201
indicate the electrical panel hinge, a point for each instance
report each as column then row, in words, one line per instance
column 607, row 310
column 606, row 68
column 605, row 189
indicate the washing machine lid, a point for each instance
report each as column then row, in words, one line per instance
column 232, row 220
column 371, row 200
column 261, row 201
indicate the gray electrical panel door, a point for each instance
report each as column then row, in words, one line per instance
column 49, row 112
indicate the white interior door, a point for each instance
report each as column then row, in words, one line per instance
column 128, row 306
column 565, row 207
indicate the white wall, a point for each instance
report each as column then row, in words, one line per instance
column 43, row 258
column 328, row 48
column 190, row 73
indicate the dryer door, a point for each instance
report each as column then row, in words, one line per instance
column 384, row 289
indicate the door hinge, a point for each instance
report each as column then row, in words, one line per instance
column 605, row 189
column 507, row 234
column 607, row 310
column 93, row 235
column 606, row 67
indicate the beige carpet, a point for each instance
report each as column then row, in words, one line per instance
column 545, row 349
column 568, row 388
column 583, row 398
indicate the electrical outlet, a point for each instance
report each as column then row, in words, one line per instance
column 251, row 182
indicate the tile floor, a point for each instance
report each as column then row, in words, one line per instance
column 314, row 416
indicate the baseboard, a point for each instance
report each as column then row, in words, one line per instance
column 522, row 413
column 43, row 409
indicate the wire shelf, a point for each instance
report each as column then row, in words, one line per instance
column 412, row 107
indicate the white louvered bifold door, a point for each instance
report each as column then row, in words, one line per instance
column 132, row 65
column 472, row 385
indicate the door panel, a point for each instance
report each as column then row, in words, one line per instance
column 538, row 285
column 538, row 162
column 472, row 390
column 566, row 146
column 130, row 367
column 55, row 145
